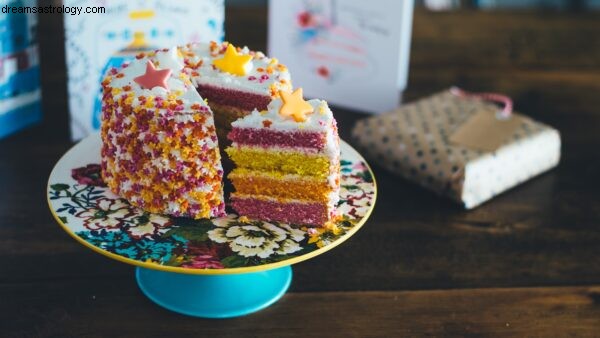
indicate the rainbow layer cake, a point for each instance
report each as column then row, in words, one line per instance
column 234, row 80
column 287, row 162
column 160, row 149
column 161, row 140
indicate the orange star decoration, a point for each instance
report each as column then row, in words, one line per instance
column 233, row 62
column 294, row 105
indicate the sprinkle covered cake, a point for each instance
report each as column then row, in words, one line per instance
column 287, row 162
column 160, row 149
column 165, row 114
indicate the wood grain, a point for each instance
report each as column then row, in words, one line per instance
column 541, row 235
column 103, row 310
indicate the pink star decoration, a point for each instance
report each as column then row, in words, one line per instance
column 153, row 77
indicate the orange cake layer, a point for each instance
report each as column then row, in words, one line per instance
column 277, row 185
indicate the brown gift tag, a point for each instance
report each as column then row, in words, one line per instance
column 484, row 130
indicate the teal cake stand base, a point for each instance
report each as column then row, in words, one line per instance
column 214, row 296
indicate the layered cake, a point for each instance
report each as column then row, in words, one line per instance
column 165, row 114
column 287, row 162
column 234, row 80
column 160, row 150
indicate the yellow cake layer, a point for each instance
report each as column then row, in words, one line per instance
column 291, row 162
column 276, row 184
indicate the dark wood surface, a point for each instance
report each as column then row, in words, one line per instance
column 525, row 264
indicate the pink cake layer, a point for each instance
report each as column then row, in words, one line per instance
column 270, row 138
column 234, row 98
column 309, row 213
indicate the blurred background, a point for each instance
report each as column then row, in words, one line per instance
column 535, row 53
column 478, row 4
column 544, row 235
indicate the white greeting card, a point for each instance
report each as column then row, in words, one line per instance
column 96, row 42
column 352, row 53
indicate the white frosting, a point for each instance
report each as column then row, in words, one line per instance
column 176, row 82
column 319, row 121
column 332, row 144
column 251, row 82
column 169, row 59
column 257, row 80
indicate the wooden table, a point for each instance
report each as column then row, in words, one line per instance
column 525, row 264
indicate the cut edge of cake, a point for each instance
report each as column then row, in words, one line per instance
column 161, row 138
column 287, row 165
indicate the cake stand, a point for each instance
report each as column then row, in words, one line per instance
column 217, row 268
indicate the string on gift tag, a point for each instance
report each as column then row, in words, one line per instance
column 482, row 129
column 506, row 101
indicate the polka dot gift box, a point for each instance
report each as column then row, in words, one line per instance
column 460, row 144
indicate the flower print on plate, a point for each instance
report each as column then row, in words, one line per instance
column 256, row 238
column 105, row 214
column 88, row 210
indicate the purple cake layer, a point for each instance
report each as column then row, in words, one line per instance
column 306, row 213
column 270, row 138
column 235, row 98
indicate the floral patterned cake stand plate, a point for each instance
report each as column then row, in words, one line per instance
column 214, row 268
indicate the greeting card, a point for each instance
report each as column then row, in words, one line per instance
column 352, row 53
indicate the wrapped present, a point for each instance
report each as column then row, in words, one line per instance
column 460, row 145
